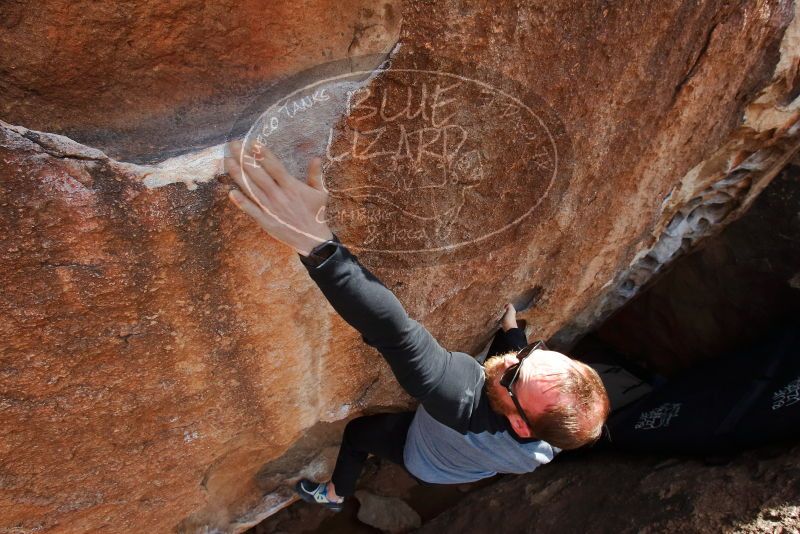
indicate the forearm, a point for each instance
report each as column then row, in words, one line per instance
column 416, row 358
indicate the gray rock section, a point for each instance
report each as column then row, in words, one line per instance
column 388, row 514
column 756, row 492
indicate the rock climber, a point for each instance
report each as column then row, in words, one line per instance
column 509, row 414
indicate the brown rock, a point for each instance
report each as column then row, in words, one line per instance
column 166, row 366
column 756, row 492
column 725, row 295
column 388, row 514
column 143, row 80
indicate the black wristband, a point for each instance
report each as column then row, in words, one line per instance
column 321, row 252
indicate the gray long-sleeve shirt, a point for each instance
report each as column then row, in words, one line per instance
column 455, row 436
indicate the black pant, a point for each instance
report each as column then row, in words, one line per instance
column 384, row 434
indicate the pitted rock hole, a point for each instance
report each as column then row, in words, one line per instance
column 422, row 164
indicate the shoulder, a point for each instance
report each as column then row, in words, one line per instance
column 458, row 392
column 484, row 419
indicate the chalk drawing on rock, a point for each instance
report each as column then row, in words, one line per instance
column 422, row 164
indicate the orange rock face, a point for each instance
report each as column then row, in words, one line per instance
column 145, row 79
column 166, row 366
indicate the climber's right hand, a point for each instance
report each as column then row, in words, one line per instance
column 290, row 210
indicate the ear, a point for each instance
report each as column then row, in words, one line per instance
column 519, row 426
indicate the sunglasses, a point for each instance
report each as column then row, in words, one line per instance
column 510, row 376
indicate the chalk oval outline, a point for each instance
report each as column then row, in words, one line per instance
column 375, row 73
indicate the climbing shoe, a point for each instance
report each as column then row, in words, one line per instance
column 317, row 493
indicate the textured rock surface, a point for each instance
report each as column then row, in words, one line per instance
column 757, row 492
column 381, row 478
column 724, row 295
column 142, row 80
column 388, row 514
column 166, row 366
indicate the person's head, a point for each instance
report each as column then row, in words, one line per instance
column 563, row 399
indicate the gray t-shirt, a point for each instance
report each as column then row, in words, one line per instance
column 438, row 454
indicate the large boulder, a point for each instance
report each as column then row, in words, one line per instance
column 167, row 366
column 146, row 79
column 753, row 493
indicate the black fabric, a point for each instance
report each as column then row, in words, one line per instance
column 384, row 435
column 738, row 401
column 449, row 384
column 321, row 252
column 511, row 341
